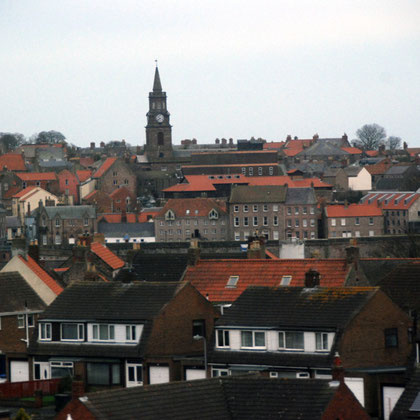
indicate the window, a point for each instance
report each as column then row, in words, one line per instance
column 343, row 222
column 72, row 332
column 289, row 211
column 134, row 374
column 252, row 339
column 67, row 182
column 291, row 340
column 21, row 320
column 275, row 235
column 237, row 236
column 371, row 233
column 103, row 332
column 125, row 181
column 312, row 210
column 235, row 208
column 275, row 221
column 213, row 214
column 45, row 331
column 391, row 337
column 305, row 210
column 246, row 221
column 222, row 338
column 296, row 222
column 265, row 221
column 232, row 282
column 275, row 207
column 321, row 340
column 371, row 220
column 245, row 208
column 114, row 182
column 103, row 374
column 312, row 222
column 114, row 173
column 243, row 171
column 270, row 170
column 289, row 223
column 44, row 240
column 305, row 223
column 333, row 222
column 219, row 372
column 251, row 171
column 357, row 221
column 285, row 280
column 255, row 208
column 199, row 327
column 259, row 170
column 57, row 222
column 296, row 210
column 357, row 233
column 57, row 239
column 236, row 221
column 255, row 220
column 265, row 207
column 86, row 221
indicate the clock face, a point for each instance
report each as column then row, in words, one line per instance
column 159, row 118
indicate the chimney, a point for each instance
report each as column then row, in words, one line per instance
column 126, row 275
column 312, row 279
column 315, row 136
column 352, row 254
column 102, row 144
column 33, row 251
column 231, row 141
column 337, row 369
column 256, row 247
column 18, row 246
column 224, row 141
column 194, row 141
column 77, row 389
column 346, row 203
column 193, row 251
column 217, row 141
column 405, row 146
column 289, row 137
column 92, row 145
column 296, row 138
column 344, row 137
column 29, row 209
column 99, row 237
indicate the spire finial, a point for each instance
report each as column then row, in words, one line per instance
column 156, row 62
column 157, row 87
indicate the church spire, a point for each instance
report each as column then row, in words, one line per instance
column 157, row 87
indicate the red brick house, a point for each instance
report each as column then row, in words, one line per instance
column 68, row 184
column 46, row 180
column 100, row 200
column 123, row 200
column 115, row 173
column 354, row 220
column 129, row 334
column 12, row 162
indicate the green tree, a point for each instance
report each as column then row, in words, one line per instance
column 22, row 415
column 10, row 141
column 51, row 137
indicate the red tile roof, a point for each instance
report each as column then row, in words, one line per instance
column 11, row 191
column 106, row 255
column 283, row 180
column 353, row 210
column 84, row 174
column 210, row 277
column 25, row 191
column 131, row 217
column 193, row 207
column 121, row 192
column 372, row 153
column 391, row 200
column 352, row 150
column 86, row 161
column 13, row 162
column 413, row 151
column 291, row 152
column 379, row 168
column 104, row 167
column 61, row 270
column 274, row 145
column 37, row 176
column 90, row 195
column 42, row 274
column 143, row 216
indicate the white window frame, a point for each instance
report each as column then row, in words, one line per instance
column 232, row 282
column 265, row 207
column 253, row 346
column 45, row 331
column 215, row 372
column 136, row 381
column 80, row 328
column 255, row 221
column 245, row 208
column 96, row 330
column 265, row 221
column 357, row 221
column 130, row 333
column 370, row 221
column 275, row 221
column 286, row 280
column 222, row 339
column 333, row 222
column 255, row 208
column 236, row 221
column 343, row 222
column 321, row 336
column 284, row 346
column 235, row 208
column 246, row 221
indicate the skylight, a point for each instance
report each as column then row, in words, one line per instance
column 232, row 282
column 285, row 280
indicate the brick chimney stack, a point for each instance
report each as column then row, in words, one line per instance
column 193, row 251
column 352, row 254
column 337, row 369
column 256, row 247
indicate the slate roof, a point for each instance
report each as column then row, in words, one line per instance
column 110, row 301
column 325, row 148
column 402, row 408
column 233, row 397
column 106, row 255
column 353, row 170
column 402, row 285
column 300, row 196
column 210, row 277
column 104, row 167
column 283, row 180
column 353, row 210
column 397, row 169
column 13, row 162
column 119, row 230
column 15, row 291
column 258, row 194
column 70, row 212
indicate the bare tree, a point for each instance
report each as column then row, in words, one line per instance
column 393, row 142
column 371, row 136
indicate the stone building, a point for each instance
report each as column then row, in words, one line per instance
column 180, row 219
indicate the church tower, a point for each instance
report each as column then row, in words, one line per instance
column 158, row 129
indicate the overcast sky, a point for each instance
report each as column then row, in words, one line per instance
column 230, row 68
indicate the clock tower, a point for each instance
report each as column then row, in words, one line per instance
column 158, row 129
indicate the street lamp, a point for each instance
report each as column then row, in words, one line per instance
column 201, row 337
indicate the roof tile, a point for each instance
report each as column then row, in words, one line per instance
column 107, row 255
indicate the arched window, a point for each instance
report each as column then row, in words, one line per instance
column 160, row 138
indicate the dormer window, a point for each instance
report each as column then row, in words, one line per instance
column 57, row 222
column 213, row 214
column 196, row 211
column 232, row 282
column 170, row 215
column 285, row 281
